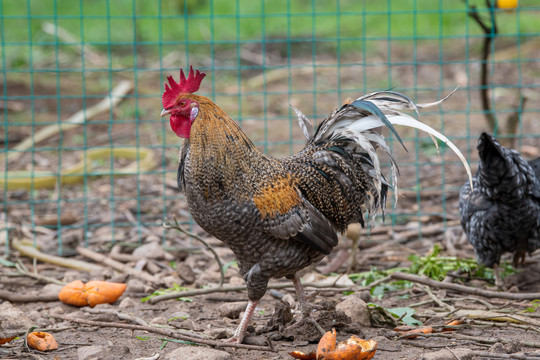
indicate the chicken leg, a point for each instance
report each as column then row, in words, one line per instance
column 306, row 308
column 240, row 332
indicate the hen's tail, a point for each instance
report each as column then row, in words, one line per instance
column 362, row 119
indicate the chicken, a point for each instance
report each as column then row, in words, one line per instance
column 502, row 213
column 280, row 215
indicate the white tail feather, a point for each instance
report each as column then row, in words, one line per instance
column 362, row 128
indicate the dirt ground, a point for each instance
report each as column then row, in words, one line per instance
column 110, row 220
column 215, row 315
column 205, row 315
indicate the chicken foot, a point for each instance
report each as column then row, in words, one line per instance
column 306, row 308
column 240, row 332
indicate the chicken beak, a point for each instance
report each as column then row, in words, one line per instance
column 165, row 112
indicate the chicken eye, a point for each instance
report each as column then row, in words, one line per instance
column 182, row 103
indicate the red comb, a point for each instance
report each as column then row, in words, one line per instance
column 185, row 86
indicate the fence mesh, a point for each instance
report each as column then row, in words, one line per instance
column 86, row 157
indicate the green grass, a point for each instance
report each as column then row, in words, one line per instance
column 114, row 26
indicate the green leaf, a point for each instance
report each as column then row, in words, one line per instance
column 405, row 314
column 534, row 305
column 173, row 289
column 229, row 264
column 6, row 263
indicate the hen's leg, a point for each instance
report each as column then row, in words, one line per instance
column 306, row 309
column 240, row 332
column 497, row 275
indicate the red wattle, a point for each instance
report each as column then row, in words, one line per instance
column 181, row 126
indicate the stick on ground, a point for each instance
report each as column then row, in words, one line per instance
column 463, row 288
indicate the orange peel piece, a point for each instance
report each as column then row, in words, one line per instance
column 92, row 293
column 413, row 334
column 41, row 341
column 6, row 340
column 303, row 356
column 353, row 348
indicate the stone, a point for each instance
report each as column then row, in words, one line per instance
column 151, row 250
column 219, row 333
column 446, row 354
column 197, row 353
column 356, row 309
column 232, row 310
column 89, row 352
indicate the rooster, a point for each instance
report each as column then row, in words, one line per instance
column 502, row 213
column 279, row 216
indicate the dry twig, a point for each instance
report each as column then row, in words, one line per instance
column 118, row 266
column 26, row 298
column 27, row 249
column 477, row 339
column 166, row 332
column 464, row 289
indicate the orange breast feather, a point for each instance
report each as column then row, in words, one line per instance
column 278, row 198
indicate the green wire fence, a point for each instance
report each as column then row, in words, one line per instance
column 85, row 156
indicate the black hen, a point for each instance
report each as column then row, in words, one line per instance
column 502, row 213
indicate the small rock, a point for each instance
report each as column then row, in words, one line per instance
column 185, row 272
column 171, row 280
column 151, row 250
column 135, row 286
column 180, row 315
column 497, row 348
column 57, row 310
column 51, row 289
column 100, row 274
column 507, row 348
column 219, row 333
column 103, row 352
column 232, row 310
column 119, row 278
column 512, row 347
column 159, row 321
column 446, row 354
column 89, row 352
column 182, row 324
column 356, row 309
column 128, row 303
column 197, row 353
column 364, row 295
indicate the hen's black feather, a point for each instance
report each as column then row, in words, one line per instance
column 502, row 213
